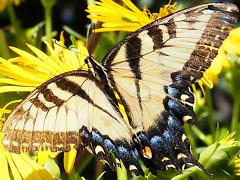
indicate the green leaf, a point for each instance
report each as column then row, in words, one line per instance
column 75, row 176
column 53, row 168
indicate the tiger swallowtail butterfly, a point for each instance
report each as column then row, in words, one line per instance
column 151, row 70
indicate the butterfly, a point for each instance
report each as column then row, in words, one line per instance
column 150, row 73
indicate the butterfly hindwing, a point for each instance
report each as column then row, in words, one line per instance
column 71, row 110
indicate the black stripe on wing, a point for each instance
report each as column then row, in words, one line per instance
column 75, row 89
column 133, row 51
column 156, row 35
column 171, row 28
column 50, row 97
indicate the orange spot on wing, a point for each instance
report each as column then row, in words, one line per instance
column 147, row 152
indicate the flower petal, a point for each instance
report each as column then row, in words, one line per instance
column 53, row 65
column 4, row 171
column 12, row 166
column 17, row 82
column 43, row 173
column 43, row 156
column 19, row 71
column 16, row 89
column 32, row 60
column 24, row 168
column 69, row 159
column 115, row 16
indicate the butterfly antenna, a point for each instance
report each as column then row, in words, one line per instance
column 94, row 35
column 91, row 38
column 64, row 47
column 194, row 3
column 74, row 50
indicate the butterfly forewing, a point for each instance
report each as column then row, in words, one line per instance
column 152, row 70
column 185, row 42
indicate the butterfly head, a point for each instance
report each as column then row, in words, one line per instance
column 88, row 60
column 92, row 64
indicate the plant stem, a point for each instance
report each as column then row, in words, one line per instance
column 190, row 138
column 15, row 23
column 99, row 167
column 82, row 161
column 235, row 88
column 236, row 97
column 210, row 111
column 48, row 21
column 48, row 5
column 4, row 51
column 201, row 135
column 235, row 114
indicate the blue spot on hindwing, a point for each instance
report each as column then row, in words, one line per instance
column 168, row 136
column 135, row 153
column 85, row 136
column 96, row 137
column 157, row 143
column 172, row 104
column 173, row 122
column 143, row 137
column 123, row 153
column 110, row 146
column 172, row 91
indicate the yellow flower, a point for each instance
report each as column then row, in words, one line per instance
column 3, row 3
column 4, row 111
column 116, row 17
column 27, row 71
column 20, row 166
column 229, row 46
column 228, row 140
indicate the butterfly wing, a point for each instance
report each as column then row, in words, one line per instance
column 71, row 110
column 152, row 70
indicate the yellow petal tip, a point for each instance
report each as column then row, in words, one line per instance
column 69, row 159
